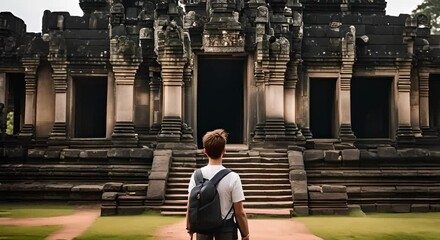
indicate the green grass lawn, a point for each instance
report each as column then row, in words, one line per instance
column 26, row 233
column 413, row 226
column 33, row 211
column 127, row 227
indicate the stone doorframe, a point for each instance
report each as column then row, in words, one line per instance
column 249, row 88
column 422, row 116
column 110, row 119
column 303, row 108
column 394, row 94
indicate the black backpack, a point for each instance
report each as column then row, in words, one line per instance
column 204, row 211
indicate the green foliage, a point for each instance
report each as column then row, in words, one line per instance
column 412, row 226
column 430, row 8
column 33, row 211
column 26, row 233
column 10, row 123
column 142, row 227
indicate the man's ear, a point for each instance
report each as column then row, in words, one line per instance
column 204, row 151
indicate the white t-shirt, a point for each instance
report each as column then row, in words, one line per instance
column 229, row 188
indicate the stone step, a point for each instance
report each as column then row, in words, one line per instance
column 274, row 169
column 180, row 205
column 249, row 198
column 251, row 212
column 234, row 164
column 281, row 180
column 246, row 186
column 247, row 192
column 244, row 175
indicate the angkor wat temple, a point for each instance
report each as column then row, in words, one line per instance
column 331, row 105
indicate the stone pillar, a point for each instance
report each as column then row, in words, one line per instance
column 424, row 102
column 30, row 67
column 292, row 130
column 405, row 132
column 187, row 104
column 155, row 102
column 274, row 89
column 123, row 132
column 3, row 88
column 58, row 136
column 415, row 103
column 172, row 58
column 348, row 58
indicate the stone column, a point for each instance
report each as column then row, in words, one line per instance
column 187, row 104
column 172, row 58
column 348, row 58
column 155, row 102
column 405, row 132
column 3, row 88
column 292, row 130
column 58, row 136
column 274, row 92
column 123, row 132
column 427, row 132
column 415, row 103
column 30, row 67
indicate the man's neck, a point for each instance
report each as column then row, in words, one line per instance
column 215, row 161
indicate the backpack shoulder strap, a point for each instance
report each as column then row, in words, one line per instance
column 198, row 176
column 220, row 175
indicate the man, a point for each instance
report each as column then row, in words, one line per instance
column 229, row 189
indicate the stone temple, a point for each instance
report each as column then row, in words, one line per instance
column 331, row 105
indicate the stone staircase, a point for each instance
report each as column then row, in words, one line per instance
column 264, row 175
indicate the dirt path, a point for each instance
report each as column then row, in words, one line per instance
column 73, row 225
column 261, row 229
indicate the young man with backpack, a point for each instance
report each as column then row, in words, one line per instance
column 216, row 196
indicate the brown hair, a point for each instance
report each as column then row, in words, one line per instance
column 214, row 143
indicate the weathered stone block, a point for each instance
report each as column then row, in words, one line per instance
column 324, row 146
column 380, row 189
column 59, row 187
column 387, row 152
column 109, row 196
column 401, row 208
column 141, row 153
column 36, row 153
column 334, row 188
column 108, row 210
column 341, row 211
column 52, row 154
column 298, row 175
column 315, row 188
column 413, row 153
column 87, row 188
column 112, row 187
column 434, row 155
column 368, row 155
column 301, row 211
column 353, row 189
column 434, row 207
column 332, row 155
column 322, row 211
column 327, row 196
column 253, row 153
column 97, row 154
column 351, row 154
column 296, row 160
column 420, row 208
column 368, row 207
column 161, row 163
column 130, row 210
column 313, row 155
column 384, row 208
column 156, row 190
column 15, row 152
column 118, row 153
column 296, row 148
column 135, row 187
column 71, row 153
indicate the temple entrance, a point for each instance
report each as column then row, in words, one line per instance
column 220, row 98
column 370, row 107
column 434, row 101
column 322, row 107
column 90, row 107
column 15, row 101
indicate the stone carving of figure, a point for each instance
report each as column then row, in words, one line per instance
column 189, row 20
column 125, row 47
column 117, row 13
column 57, row 43
column 262, row 14
column 147, row 13
column 146, row 33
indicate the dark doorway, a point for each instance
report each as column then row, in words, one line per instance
column 15, row 103
column 322, row 107
column 90, row 107
column 434, row 101
column 220, row 97
column 370, row 107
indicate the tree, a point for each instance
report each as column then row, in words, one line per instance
column 430, row 8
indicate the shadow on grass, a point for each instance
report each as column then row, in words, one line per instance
column 26, row 233
column 34, row 211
